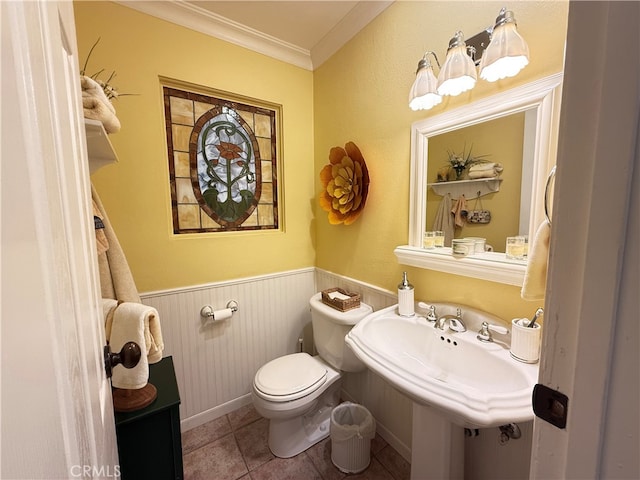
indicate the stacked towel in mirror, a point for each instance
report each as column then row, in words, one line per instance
column 485, row 170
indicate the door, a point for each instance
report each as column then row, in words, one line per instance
column 590, row 350
column 57, row 415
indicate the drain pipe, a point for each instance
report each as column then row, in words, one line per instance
column 508, row 431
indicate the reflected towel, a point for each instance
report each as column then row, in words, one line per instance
column 444, row 219
column 460, row 211
column 483, row 174
column 485, row 170
column 97, row 106
column 141, row 324
column 535, row 277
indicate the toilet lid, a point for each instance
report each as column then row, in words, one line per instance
column 290, row 377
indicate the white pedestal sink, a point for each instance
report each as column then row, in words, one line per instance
column 454, row 380
column 438, row 446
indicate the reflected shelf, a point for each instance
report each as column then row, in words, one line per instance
column 469, row 188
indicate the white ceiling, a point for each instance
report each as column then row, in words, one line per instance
column 300, row 23
column 304, row 33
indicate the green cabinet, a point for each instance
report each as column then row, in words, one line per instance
column 149, row 444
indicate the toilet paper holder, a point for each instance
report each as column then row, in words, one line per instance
column 210, row 315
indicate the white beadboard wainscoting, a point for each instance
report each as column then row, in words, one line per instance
column 215, row 365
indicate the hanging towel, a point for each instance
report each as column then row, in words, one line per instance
column 102, row 244
column 108, row 308
column 97, row 106
column 141, row 324
column 444, row 219
column 460, row 211
column 535, row 277
column 116, row 280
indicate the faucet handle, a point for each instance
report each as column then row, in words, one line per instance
column 431, row 316
column 484, row 335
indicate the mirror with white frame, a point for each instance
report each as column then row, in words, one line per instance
column 539, row 102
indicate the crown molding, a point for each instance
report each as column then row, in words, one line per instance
column 203, row 21
column 357, row 18
column 209, row 23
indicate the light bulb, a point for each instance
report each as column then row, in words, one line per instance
column 458, row 74
column 507, row 53
column 423, row 94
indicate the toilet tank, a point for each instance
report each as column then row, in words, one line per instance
column 329, row 329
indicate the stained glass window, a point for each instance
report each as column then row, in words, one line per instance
column 223, row 162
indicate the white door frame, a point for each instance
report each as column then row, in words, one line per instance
column 593, row 275
column 57, row 413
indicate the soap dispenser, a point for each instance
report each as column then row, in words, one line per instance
column 405, row 297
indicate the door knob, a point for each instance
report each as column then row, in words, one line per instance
column 128, row 356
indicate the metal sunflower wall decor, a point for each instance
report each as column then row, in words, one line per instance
column 345, row 182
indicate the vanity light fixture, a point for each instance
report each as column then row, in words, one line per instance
column 458, row 74
column 506, row 54
column 424, row 94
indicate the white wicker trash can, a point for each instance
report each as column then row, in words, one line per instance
column 352, row 428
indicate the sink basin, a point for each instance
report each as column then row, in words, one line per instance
column 472, row 383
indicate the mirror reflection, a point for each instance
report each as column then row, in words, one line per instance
column 493, row 149
column 517, row 129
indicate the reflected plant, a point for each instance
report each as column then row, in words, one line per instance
column 461, row 161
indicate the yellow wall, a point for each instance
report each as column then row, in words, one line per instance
column 360, row 95
column 136, row 190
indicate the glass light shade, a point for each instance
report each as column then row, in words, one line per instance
column 423, row 94
column 458, row 74
column 506, row 55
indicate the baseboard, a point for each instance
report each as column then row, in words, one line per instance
column 213, row 413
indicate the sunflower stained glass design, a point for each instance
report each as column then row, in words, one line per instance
column 222, row 162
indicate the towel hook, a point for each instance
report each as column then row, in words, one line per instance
column 551, row 176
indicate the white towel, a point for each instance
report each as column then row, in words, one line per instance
column 116, row 280
column 444, row 219
column 138, row 323
column 485, row 170
column 97, row 106
column 535, row 277
column 108, row 309
column 482, row 166
column 483, row 174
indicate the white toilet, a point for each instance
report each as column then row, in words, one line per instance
column 297, row 392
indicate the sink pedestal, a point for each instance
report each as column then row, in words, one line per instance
column 437, row 449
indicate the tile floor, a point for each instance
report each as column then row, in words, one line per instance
column 235, row 447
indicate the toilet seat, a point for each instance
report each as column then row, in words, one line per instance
column 289, row 378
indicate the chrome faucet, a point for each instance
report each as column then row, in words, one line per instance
column 453, row 322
